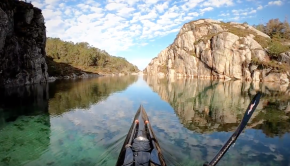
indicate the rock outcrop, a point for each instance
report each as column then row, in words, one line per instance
column 213, row 49
column 22, row 44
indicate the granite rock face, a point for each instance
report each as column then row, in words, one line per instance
column 213, row 49
column 22, row 44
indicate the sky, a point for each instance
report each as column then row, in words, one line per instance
column 140, row 29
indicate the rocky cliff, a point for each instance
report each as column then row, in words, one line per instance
column 213, row 49
column 22, row 44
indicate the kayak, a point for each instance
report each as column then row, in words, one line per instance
column 141, row 147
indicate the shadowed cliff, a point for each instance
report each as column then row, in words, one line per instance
column 22, row 44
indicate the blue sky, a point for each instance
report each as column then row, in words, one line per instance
column 139, row 29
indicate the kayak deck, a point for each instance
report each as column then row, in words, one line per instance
column 140, row 146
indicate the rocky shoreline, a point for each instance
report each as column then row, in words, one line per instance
column 88, row 75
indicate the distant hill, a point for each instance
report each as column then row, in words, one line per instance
column 65, row 58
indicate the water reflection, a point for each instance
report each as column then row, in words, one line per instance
column 23, row 138
column 212, row 110
column 30, row 136
column 25, row 100
column 84, row 122
column 205, row 106
column 70, row 94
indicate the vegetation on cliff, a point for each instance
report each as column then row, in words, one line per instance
column 280, row 36
column 65, row 58
column 275, row 27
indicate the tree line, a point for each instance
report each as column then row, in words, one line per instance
column 280, row 36
column 275, row 29
column 85, row 56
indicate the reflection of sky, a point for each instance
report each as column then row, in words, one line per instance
column 95, row 135
column 141, row 93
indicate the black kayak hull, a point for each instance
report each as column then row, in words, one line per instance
column 140, row 146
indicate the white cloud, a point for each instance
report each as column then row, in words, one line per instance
column 53, row 2
column 150, row 16
column 190, row 4
column 278, row 3
column 243, row 12
column 115, row 6
column 161, row 7
column 132, row 2
column 218, row 3
column 224, row 14
column 115, row 25
column 151, row 1
column 206, row 9
column 50, row 14
column 126, row 11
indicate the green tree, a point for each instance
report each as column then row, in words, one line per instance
column 82, row 55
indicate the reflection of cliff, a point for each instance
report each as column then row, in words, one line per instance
column 206, row 106
column 24, row 124
column 23, row 100
column 82, row 93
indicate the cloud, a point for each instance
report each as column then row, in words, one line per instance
column 52, row 1
column 243, row 12
column 161, row 7
column 218, row 3
column 132, row 2
column 116, row 25
column 51, row 14
column 224, row 14
column 206, row 9
column 191, row 4
column 115, row 6
column 126, row 11
column 278, row 3
column 151, row 1
column 122, row 23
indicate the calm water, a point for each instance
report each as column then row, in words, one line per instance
column 84, row 122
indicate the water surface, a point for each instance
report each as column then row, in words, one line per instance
column 84, row 122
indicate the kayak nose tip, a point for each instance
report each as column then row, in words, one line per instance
column 205, row 164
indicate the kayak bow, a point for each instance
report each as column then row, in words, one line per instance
column 141, row 147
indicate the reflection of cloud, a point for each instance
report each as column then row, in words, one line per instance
column 209, row 107
column 101, row 129
column 206, row 106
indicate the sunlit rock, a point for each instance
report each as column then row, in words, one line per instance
column 215, row 50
